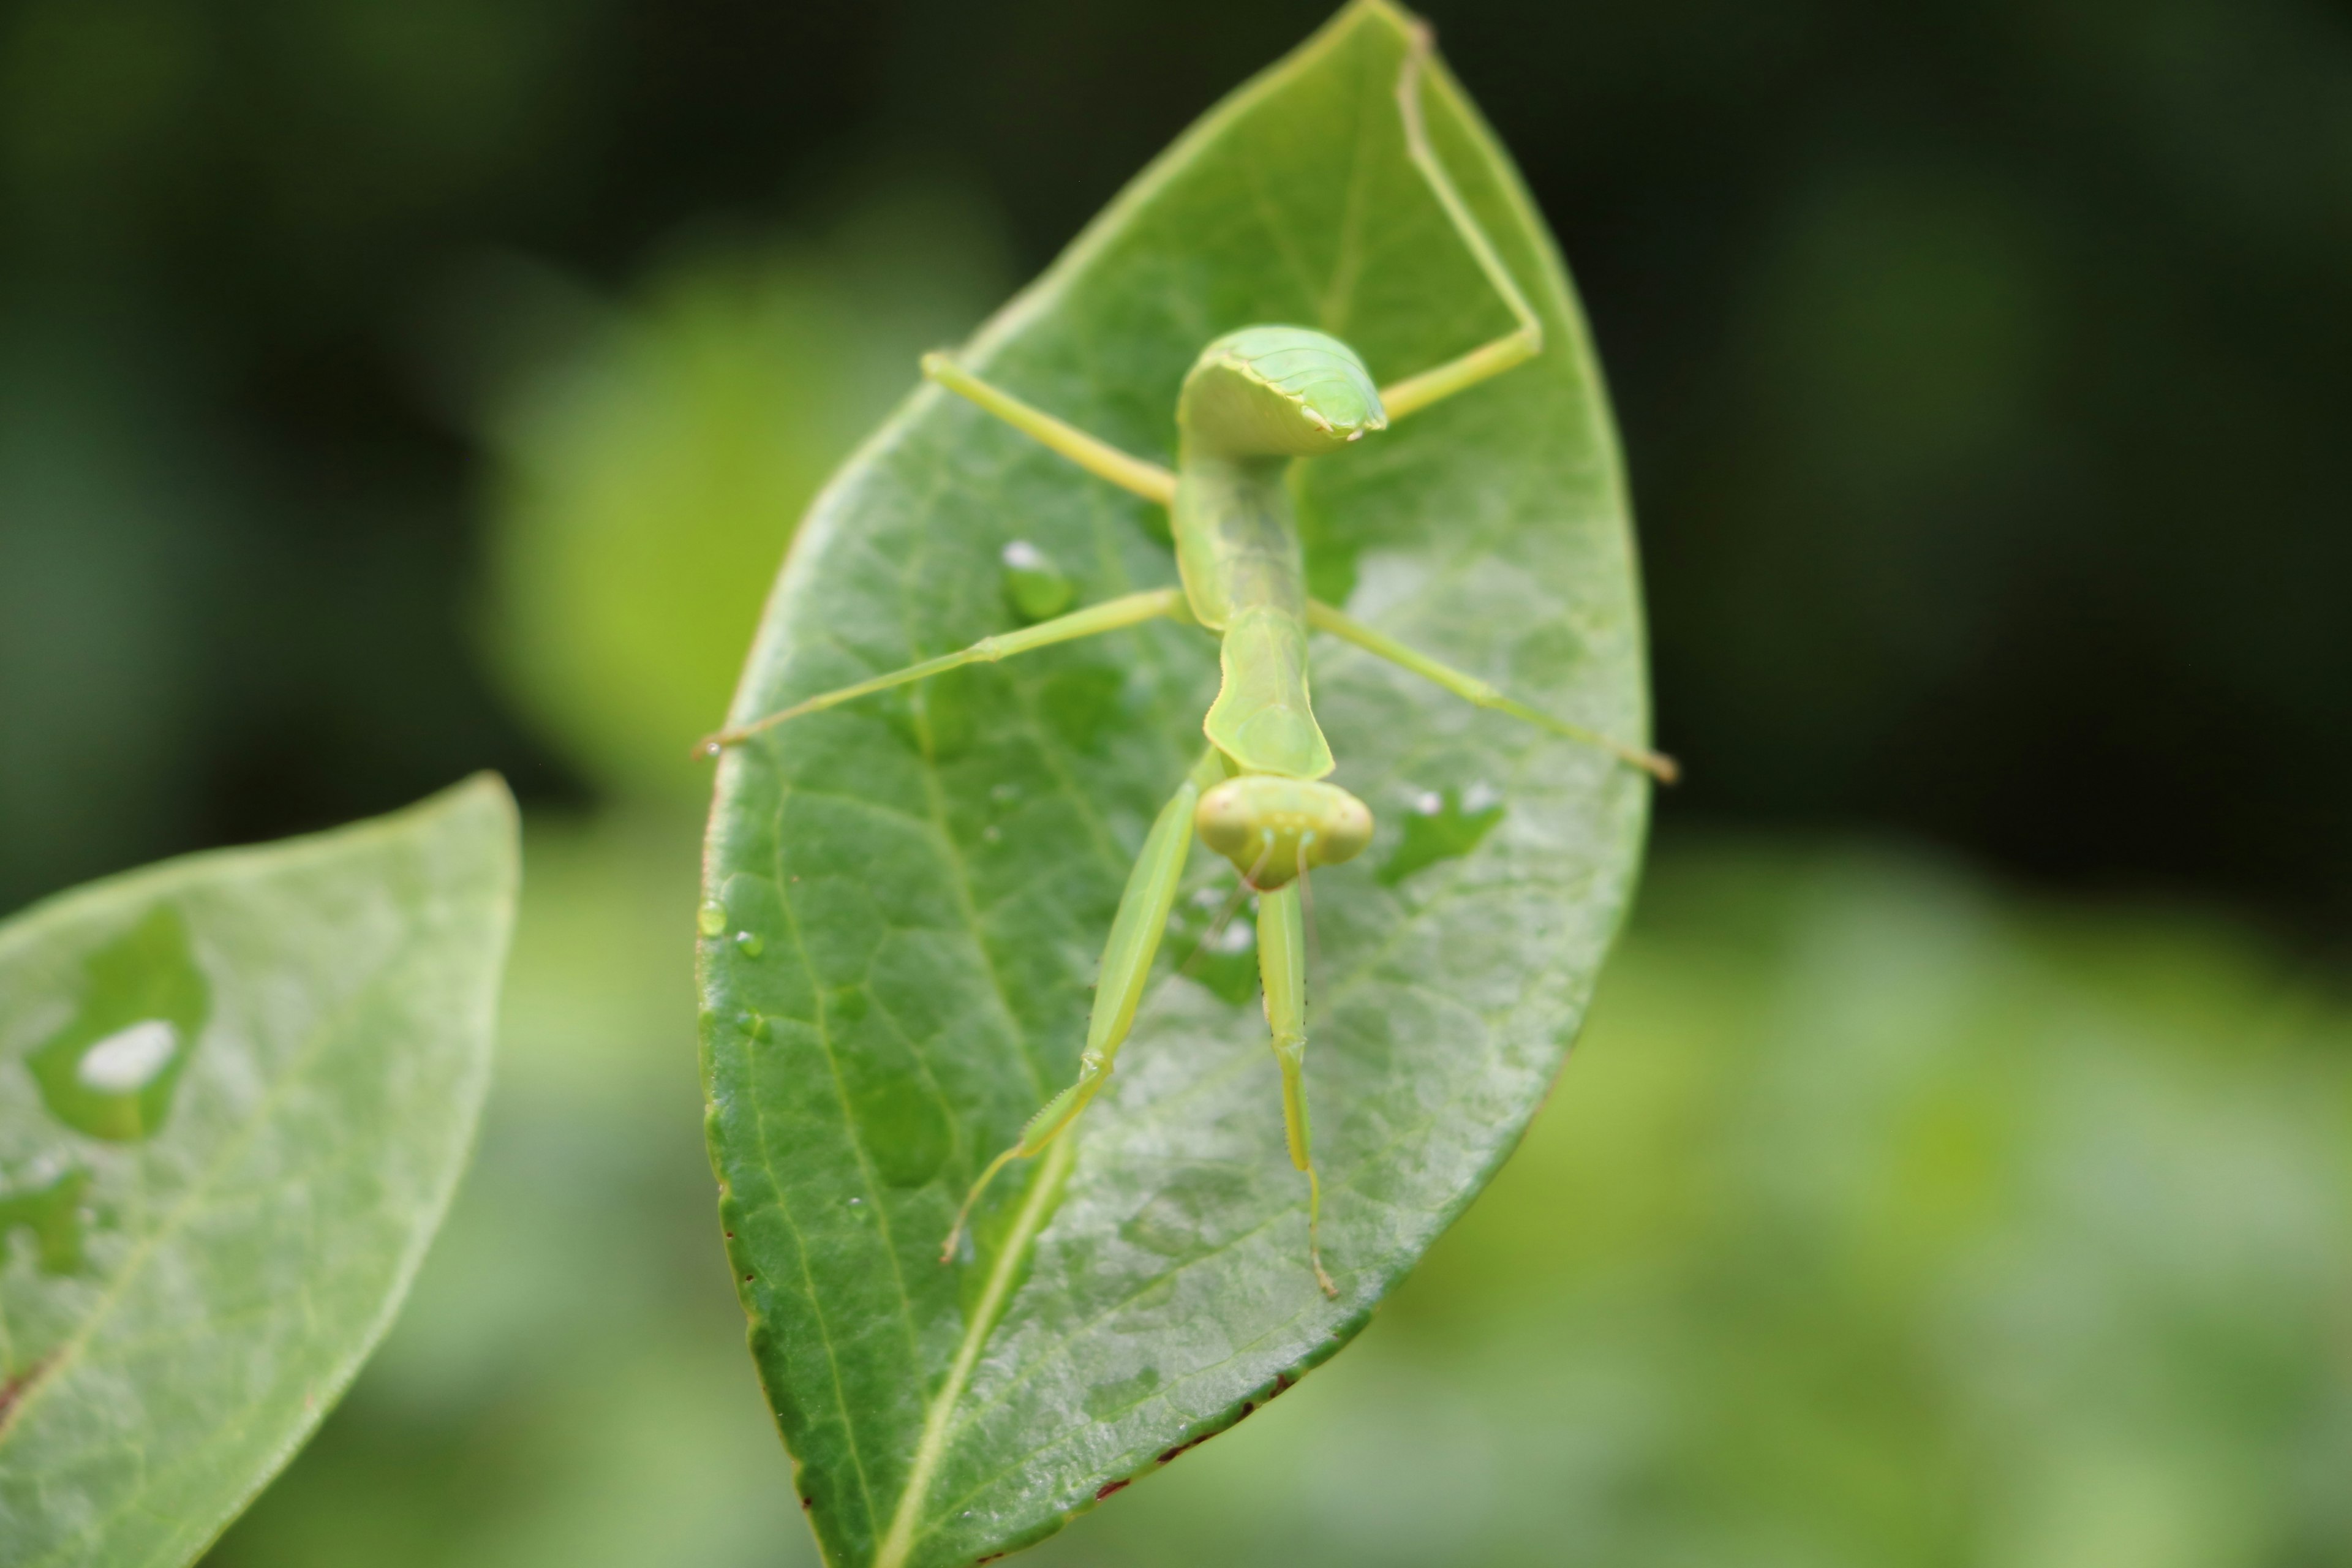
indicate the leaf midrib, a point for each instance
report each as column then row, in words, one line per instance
column 1035, row 1209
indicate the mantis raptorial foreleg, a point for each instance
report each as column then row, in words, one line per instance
column 1518, row 346
column 1135, row 933
column 1282, row 970
column 1092, row 453
column 1324, row 618
column 1110, row 616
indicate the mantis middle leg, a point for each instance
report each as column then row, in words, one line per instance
column 1127, row 959
column 1324, row 618
column 1110, row 616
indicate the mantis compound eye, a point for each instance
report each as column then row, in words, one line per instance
column 1270, row 828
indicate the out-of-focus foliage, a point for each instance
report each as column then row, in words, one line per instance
column 646, row 481
column 1981, row 368
column 236, row 1091
column 1879, row 1219
column 567, row 1387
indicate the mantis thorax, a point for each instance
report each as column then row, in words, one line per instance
column 1254, row 400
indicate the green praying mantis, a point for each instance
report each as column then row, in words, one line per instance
column 1256, row 401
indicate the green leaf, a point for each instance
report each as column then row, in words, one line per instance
column 907, row 896
column 236, row 1094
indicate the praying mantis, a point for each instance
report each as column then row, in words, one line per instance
column 1256, row 401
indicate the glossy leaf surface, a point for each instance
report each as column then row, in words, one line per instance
column 236, row 1094
column 905, row 896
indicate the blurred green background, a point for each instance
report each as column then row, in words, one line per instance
column 1957, row 1169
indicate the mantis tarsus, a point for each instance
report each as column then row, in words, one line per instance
column 1256, row 400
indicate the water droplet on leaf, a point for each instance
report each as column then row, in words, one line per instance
column 1453, row 828
column 112, row 1071
column 1105, row 1400
column 127, row 1060
column 1190, row 1214
column 1035, row 586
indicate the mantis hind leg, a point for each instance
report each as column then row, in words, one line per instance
column 1281, row 966
column 1110, row 616
column 1134, row 942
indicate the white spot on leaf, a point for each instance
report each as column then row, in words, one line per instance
column 127, row 1060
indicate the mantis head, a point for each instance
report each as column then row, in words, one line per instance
column 1271, row 829
column 1278, row 392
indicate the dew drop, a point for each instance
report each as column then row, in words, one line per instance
column 712, row 918
column 111, row 1071
column 1189, row 1215
column 750, row 942
column 1452, row 827
column 1105, row 1400
column 1035, row 586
